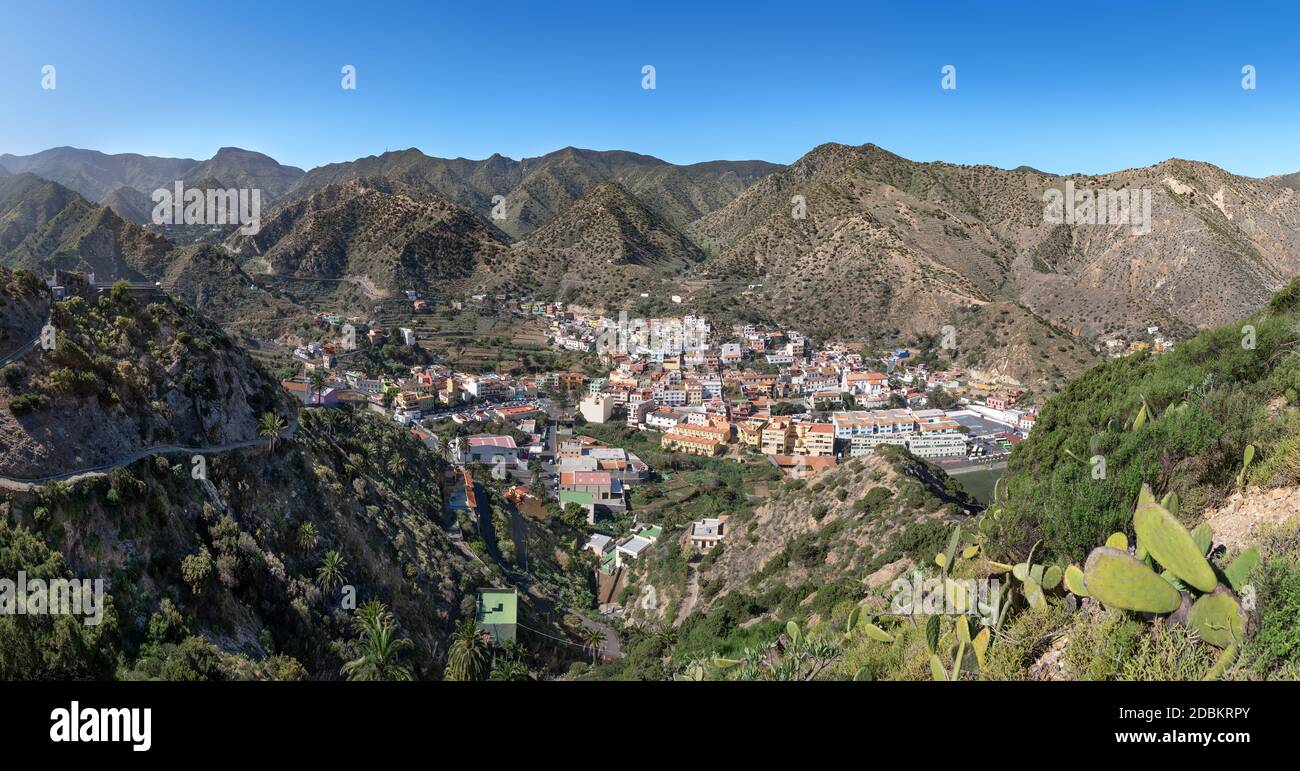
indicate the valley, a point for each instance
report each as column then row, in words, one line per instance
column 596, row 416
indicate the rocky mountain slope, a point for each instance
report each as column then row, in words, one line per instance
column 888, row 240
column 44, row 226
column 369, row 232
column 126, row 373
column 219, row 579
column 604, row 249
column 536, row 189
column 844, row 525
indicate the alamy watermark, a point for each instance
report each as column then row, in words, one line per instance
column 53, row 597
column 1130, row 207
column 628, row 336
column 195, row 206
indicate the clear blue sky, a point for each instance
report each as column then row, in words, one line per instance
column 1063, row 87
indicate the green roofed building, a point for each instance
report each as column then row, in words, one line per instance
column 583, row 498
column 498, row 612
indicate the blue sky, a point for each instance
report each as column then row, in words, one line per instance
column 1064, row 87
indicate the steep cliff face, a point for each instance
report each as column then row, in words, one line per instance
column 126, row 372
column 235, row 559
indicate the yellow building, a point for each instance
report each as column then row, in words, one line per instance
column 814, row 439
column 778, row 437
column 750, row 432
column 691, row 445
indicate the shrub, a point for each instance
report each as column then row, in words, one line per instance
column 873, row 501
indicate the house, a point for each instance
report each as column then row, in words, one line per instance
column 497, row 613
column 869, row 384
column 778, row 437
column 750, row 432
column 803, row 466
column 815, row 439
column 584, row 500
column 487, row 448
column 707, row 533
column 597, row 408
column 663, row 419
column 718, row 432
column 606, row 490
column 462, row 496
column 825, row 400
column 692, row 445
column 598, row 544
column 630, row 548
column 638, row 412
column 328, row 396
column 938, row 439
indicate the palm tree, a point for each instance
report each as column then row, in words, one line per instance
column 379, row 647
column 666, row 636
column 317, row 381
column 330, row 573
column 509, row 669
column 270, row 427
column 592, row 639
column 307, row 536
column 371, row 615
column 468, row 657
column 397, row 465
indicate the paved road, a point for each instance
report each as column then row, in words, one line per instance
column 25, row 348
column 967, row 468
column 18, row 483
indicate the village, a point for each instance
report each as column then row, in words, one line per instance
column 745, row 394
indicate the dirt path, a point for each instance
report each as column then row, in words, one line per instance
column 692, row 592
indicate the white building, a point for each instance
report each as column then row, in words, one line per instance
column 597, row 408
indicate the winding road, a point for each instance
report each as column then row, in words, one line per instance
column 21, row 484
column 26, row 347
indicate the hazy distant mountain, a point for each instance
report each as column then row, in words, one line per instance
column 94, row 174
column 97, row 176
column 536, row 189
column 44, row 225
column 233, row 167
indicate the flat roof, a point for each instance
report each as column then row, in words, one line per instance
column 497, row 606
column 489, row 440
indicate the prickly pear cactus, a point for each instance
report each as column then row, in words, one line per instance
column 1169, row 543
column 1218, row 619
column 1118, row 580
